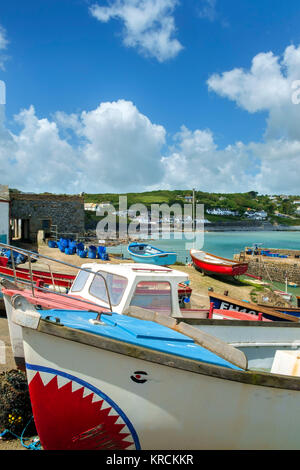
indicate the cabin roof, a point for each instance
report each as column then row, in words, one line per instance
column 137, row 269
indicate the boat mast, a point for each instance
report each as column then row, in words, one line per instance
column 193, row 219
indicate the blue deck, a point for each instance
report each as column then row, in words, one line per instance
column 143, row 333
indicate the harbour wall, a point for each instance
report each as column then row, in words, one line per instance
column 247, row 225
column 275, row 270
column 293, row 254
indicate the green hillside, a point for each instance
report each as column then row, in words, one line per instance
column 239, row 202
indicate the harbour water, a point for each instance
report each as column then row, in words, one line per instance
column 224, row 244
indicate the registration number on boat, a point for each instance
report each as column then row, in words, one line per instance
column 228, row 306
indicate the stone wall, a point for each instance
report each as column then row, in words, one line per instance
column 280, row 251
column 65, row 212
column 276, row 270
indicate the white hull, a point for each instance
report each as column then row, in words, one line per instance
column 15, row 332
column 174, row 408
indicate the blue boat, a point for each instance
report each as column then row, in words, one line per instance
column 144, row 253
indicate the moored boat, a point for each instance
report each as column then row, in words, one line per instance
column 293, row 284
column 215, row 265
column 53, row 279
column 224, row 302
column 144, row 253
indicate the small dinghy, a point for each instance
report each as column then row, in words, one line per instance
column 144, row 253
column 216, row 265
column 293, row 284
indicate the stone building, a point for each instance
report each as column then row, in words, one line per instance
column 56, row 215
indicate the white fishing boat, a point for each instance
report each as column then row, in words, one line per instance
column 120, row 287
column 115, row 382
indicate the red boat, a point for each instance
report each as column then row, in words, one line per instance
column 23, row 274
column 212, row 264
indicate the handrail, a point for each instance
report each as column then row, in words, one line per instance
column 31, row 255
column 31, row 277
column 44, row 289
column 13, row 262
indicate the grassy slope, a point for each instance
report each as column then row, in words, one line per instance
column 236, row 201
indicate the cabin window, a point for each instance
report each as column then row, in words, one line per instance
column 80, row 281
column 153, row 295
column 116, row 286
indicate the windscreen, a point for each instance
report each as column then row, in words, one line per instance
column 153, row 295
column 116, row 286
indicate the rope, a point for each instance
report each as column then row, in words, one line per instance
column 34, row 445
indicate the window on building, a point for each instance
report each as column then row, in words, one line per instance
column 46, row 223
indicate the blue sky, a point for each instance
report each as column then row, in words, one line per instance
column 132, row 95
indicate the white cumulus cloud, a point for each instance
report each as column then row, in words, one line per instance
column 196, row 161
column 149, row 25
column 268, row 86
column 111, row 148
column 121, row 146
column 116, row 148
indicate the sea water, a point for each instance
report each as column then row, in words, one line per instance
column 225, row 244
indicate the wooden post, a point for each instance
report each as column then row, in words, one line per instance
column 211, row 310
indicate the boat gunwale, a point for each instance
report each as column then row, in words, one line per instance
column 255, row 307
column 286, row 309
column 234, row 322
column 255, row 378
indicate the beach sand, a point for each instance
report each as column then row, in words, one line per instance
column 198, row 282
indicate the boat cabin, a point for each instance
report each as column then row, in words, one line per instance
column 142, row 285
